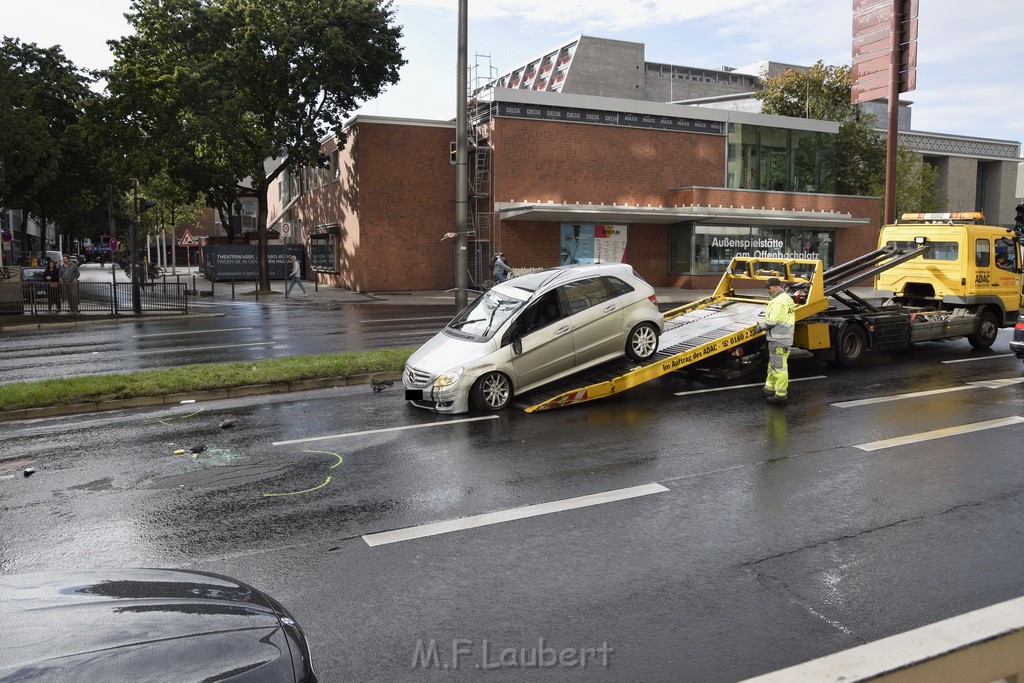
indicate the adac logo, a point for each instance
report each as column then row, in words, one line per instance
column 981, row 277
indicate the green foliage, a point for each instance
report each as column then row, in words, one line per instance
column 216, row 87
column 71, row 390
column 915, row 190
column 823, row 92
column 47, row 161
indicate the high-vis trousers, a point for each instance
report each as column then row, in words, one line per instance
column 778, row 369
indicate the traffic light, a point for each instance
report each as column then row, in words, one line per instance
column 145, row 204
column 451, row 153
column 1019, row 224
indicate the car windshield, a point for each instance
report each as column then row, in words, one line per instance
column 485, row 316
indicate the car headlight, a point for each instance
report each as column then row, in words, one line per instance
column 449, row 378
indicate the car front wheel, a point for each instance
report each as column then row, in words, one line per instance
column 642, row 342
column 493, row 391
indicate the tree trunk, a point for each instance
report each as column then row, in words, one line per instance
column 261, row 226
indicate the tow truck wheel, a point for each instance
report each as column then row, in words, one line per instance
column 988, row 328
column 492, row 391
column 850, row 345
column 642, row 342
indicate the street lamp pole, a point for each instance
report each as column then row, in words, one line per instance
column 461, row 172
column 133, row 250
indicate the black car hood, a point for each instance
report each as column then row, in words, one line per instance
column 139, row 624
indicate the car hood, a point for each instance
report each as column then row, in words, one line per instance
column 443, row 352
column 119, row 625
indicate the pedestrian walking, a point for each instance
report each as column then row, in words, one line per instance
column 500, row 269
column 779, row 323
column 295, row 277
column 69, row 275
column 52, row 278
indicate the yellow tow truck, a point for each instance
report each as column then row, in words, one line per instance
column 950, row 277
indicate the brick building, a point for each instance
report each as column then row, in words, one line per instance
column 674, row 190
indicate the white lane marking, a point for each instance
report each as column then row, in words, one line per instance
column 346, row 435
column 744, row 386
column 413, row 532
column 405, row 320
column 971, row 360
column 898, row 397
column 202, row 348
column 998, row 383
column 940, row 433
column 176, row 334
column 979, row 384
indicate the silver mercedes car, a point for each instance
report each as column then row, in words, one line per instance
column 532, row 330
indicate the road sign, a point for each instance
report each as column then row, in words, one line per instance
column 7, row 236
column 286, row 229
column 187, row 240
column 112, row 244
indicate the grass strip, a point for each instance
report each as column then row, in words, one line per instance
column 205, row 377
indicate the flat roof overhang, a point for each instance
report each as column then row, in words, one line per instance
column 659, row 215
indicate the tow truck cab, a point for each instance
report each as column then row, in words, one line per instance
column 967, row 265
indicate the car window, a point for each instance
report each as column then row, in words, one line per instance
column 618, row 287
column 582, row 294
column 485, row 316
column 541, row 313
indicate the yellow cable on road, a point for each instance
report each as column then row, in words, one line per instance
column 326, row 481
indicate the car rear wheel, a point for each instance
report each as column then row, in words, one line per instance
column 493, row 391
column 642, row 342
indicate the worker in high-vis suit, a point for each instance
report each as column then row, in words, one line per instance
column 779, row 323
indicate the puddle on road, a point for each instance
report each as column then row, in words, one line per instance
column 104, row 484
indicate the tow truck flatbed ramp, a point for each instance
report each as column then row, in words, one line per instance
column 688, row 338
column 716, row 324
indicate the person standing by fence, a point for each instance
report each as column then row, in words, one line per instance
column 295, row 277
column 69, row 275
column 52, row 278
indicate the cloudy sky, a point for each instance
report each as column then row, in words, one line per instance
column 970, row 55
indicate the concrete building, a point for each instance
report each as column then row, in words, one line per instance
column 975, row 174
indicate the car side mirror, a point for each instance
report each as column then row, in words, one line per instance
column 517, row 343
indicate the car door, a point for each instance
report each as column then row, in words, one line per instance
column 547, row 341
column 596, row 318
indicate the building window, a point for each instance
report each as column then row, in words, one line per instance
column 335, row 166
column 780, row 160
column 323, row 248
column 708, row 249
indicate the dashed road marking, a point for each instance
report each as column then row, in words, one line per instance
column 437, row 528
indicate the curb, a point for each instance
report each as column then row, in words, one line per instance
column 209, row 395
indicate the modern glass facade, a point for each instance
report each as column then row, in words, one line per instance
column 707, row 249
column 780, row 159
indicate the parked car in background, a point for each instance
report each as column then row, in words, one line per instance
column 146, row 625
column 531, row 330
column 1017, row 343
column 32, row 284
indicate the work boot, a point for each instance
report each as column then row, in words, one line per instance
column 768, row 391
column 777, row 399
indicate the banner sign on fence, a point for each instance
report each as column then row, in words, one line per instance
column 240, row 261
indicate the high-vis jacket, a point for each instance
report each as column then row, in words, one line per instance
column 780, row 318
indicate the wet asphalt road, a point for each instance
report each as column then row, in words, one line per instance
column 221, row 332
column 776, row 540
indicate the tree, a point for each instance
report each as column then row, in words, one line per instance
column 823, row 92
column 217, row 87
column 46, row 163
column 915, row 189
column 174, row 205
